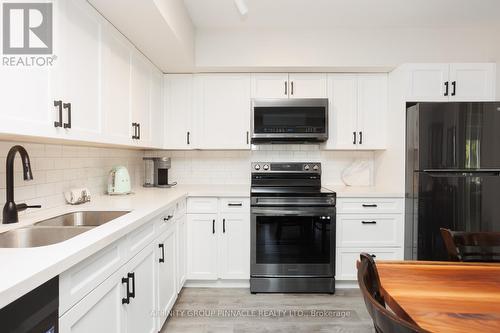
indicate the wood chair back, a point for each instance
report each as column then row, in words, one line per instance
column 384, row 320
column 472, row 246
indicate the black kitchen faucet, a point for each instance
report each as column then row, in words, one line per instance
column 10, row 209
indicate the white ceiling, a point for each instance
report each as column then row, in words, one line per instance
column 344, row 13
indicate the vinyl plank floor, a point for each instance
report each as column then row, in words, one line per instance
column 207, row 310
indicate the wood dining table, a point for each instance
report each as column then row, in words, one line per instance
column 443, row 296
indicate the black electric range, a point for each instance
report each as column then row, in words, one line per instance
column 293, row 229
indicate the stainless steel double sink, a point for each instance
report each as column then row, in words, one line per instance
column 57, row 229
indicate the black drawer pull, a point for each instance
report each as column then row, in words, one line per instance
column 369, row 222
column 130, row 294
column 213, row 226
column 162, row 247
column 370, row 205
column 168, row 218
column 239, row 204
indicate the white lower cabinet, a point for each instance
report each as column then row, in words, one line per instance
column 166, row 275
column 372, row 225
column 218, row 238
column 130, row 286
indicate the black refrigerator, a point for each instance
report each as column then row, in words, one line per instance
column 452, row 173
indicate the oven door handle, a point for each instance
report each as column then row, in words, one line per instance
column 293, row 212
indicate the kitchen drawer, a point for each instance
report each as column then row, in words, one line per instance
column 141, row 237
column 370, row 205
column 345, row 267
column 82, row 278
column 234, row 205
column 167, row 218
column 378, row 230
column 202, row 205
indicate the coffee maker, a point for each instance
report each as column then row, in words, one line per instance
column 156, row 172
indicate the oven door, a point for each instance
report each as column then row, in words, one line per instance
column 293, row 242
column 277, row 120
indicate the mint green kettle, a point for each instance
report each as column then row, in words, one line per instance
column 119, row 181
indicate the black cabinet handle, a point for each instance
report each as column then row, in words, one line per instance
column 235, row 204
column 162, row 247
column 134, row 125
column 126, row 299
column 286, row 88
column 139, row 131
column 132, row 276
column 59, row 106
column 369, row 222
column 446, row 88
column 360, row 138
column 369, row 205
column 68, row 106
column 354, row 138
column 168, row 218
column 248, row 138
column 454, row 86
column 188, row 138
column 224, row 226
column 291, row 91
column 213, row 226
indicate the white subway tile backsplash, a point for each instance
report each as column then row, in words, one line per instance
column 233, row 167
column 57, row 168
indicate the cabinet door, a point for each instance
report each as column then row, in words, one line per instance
column 234, row 246
column 20, row 115
column 223, row 106
column 116, row 64
column 202, row 246
column 345, row 265
column 306, row 85
column 181, row 252
column 139, row 96
column 342, row 114
column 166, row 261
column 270, row 85
column 427, row 82
column 157, row 110
column 372, row 111
column 100, row 311
column 76, row 76
column 138, row 313
column 472, row 82
column 179, row 133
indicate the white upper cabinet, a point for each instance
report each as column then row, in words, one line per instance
column 357, row 111
column 308, row 85
column 293, row 85
column 343, row 111
column 271, row 85
column 451, row 82
column 372, row 111
column 157, row 110
column 76, row 76
column 140, row 98
column 222, row 103
column 428, row 82
column 179, row 131
column 116, row 86
column 472, row 82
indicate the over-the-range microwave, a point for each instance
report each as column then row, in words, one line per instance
column 289, row 120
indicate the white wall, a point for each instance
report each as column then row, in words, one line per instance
column 57, row 168
column 355, row 49
column 233, row 167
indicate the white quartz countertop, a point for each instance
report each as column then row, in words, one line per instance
column 23, row 269
column 364, row 191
